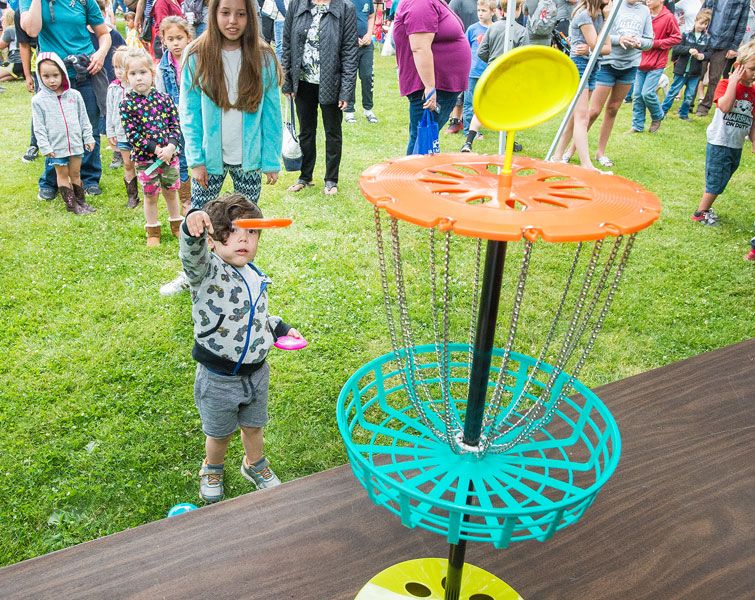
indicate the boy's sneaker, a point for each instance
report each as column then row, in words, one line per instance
column 350, row 117
column 454, row 126
column 370, row 116
column 178, row 285
column 260, row 473
column 31, row 154
column 211, row 482
column 467, row 147
column 117, row 161
column 712, row 218
column 750, row 255
column 706, row 217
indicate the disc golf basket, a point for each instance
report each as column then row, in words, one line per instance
column 473, row 441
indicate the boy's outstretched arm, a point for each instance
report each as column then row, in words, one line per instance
column 194, row 251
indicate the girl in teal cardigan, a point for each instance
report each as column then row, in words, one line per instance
column 231, row 117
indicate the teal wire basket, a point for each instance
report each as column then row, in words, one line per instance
column 542, row 484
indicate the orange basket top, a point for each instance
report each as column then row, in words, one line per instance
column 553, row 201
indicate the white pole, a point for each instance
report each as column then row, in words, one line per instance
column 510, row 16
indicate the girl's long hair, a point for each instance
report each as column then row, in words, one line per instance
column 255, row 54
column 593, row 8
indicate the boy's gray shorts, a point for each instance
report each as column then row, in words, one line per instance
column 226, row 402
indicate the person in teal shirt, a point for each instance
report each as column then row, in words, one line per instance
column 61, row 27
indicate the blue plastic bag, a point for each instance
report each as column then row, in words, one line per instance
column 427, row 134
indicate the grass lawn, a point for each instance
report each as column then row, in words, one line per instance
column 99, row 429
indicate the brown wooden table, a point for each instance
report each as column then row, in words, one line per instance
column 675, row 521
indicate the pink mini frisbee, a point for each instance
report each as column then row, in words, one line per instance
column 286, row 342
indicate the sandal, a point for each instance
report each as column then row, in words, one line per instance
column 604, row 161
column 300, row 185
column 331, row 188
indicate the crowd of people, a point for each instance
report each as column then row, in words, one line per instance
column 193, row 94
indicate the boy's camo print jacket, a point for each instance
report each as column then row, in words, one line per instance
column 232, row 329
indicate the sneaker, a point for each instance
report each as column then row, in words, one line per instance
column 467, row 147
column 750, row 255
column 518, row 147
column 711, row 218
column 93, row 190
column 31, row 154
column 211, row 483
column 454, row 126
column 701, row 111
column 260, row 473
column 117, row 161
column 47, row 194
column 654, row 126
column 604, row 161
column 685, row 118
column 178, row 285
column 706, row 217
column 370, row 116
column 350, row 118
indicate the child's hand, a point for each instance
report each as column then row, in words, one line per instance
column 197, row 222
column 736, row 74
column 627, row 41
column 51, row 155
column 295, row 334
column 271, row 177
column 200, row 175
column 581, row 49
column 165, row 153
column 113, row 142
column 89, row 147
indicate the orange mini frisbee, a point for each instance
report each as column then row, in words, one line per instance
column 261, row 223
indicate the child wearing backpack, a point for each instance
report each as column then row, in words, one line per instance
column 688, row 59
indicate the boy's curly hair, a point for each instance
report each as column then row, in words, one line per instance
column 225, row 210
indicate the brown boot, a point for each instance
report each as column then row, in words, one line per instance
column 153, row 235
column 175, row 226
column 80, row 194
column 132, row 191
column 70, row 201
column 184, row 193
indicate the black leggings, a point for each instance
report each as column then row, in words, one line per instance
column 306, row 108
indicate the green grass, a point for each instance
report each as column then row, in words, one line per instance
column 99, row 429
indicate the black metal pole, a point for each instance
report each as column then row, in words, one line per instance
column 495, row 256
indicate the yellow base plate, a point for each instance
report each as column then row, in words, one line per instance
column 425, row 578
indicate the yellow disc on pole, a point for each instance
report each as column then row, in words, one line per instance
column 524, row 87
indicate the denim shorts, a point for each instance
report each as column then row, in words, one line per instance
column 124, row 146
column 227, row 402
column 63, row 160
column 609, row 76
column 581, row 62
column 720, row 164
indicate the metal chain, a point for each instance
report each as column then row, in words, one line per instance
column 596, row 328
column 563, row 357
column 494, row 407
column 498, row 432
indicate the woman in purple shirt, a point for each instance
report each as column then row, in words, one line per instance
column 433, row 59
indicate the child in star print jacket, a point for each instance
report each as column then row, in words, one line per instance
column 150, row 120
column 233, row 332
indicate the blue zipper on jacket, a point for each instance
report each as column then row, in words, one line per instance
column 252, row 311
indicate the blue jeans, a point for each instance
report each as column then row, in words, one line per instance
column 689, row 94
column 365, row 58
column 91, row 166
column 445, row 101
column 278, row 29
column 646, row 96
column 468, row 110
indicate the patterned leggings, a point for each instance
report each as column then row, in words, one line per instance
column 248, row 183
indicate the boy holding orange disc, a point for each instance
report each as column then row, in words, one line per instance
column 233, row 333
